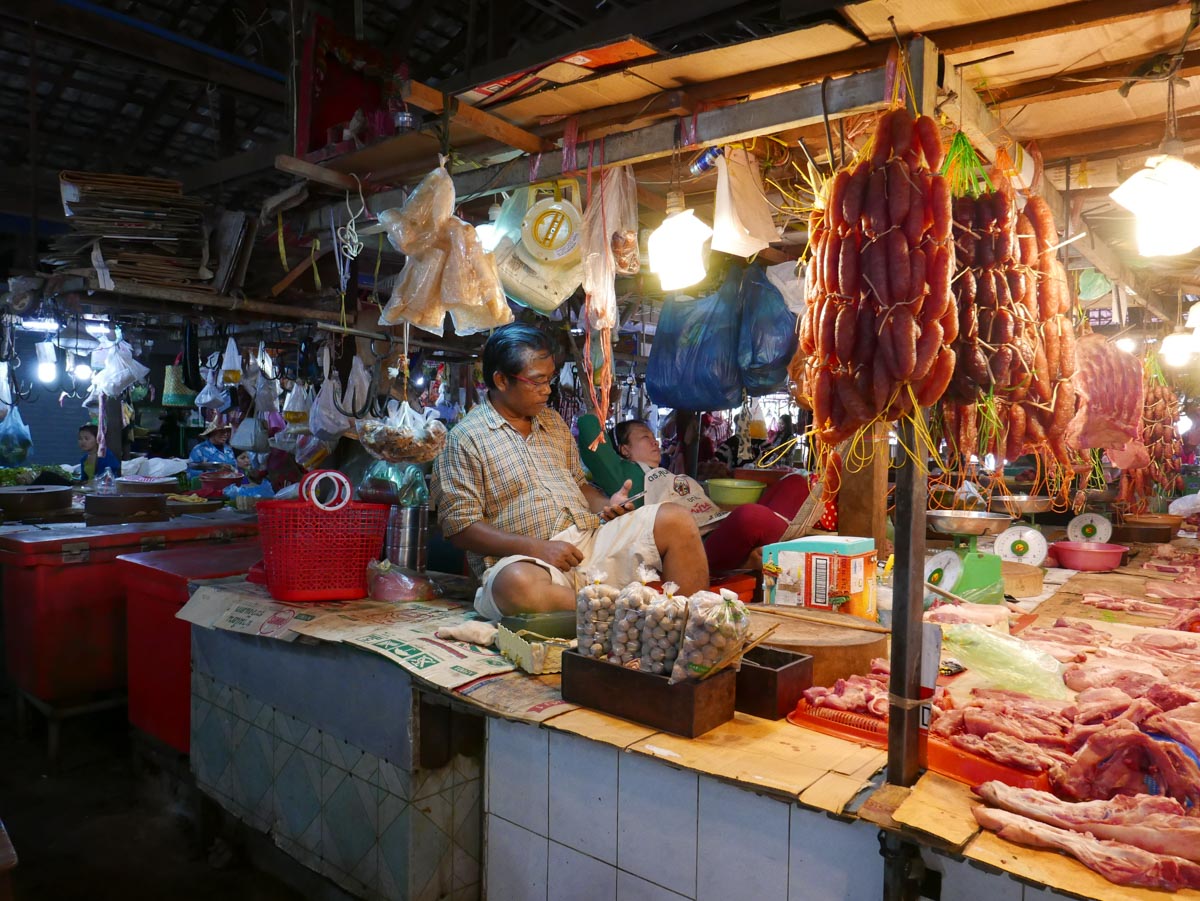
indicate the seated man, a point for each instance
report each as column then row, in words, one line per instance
column 511, row 491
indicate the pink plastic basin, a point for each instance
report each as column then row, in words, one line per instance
column 1089, row 556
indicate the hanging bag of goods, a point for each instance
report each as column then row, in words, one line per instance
column 403, row 435
column 317, row 548
column 880, row 315
column 231, row 365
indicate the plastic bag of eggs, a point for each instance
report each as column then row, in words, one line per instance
column 717, row 626
column 662, row 631
column 628, row 618
column 595, row 609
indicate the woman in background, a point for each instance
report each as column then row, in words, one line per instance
column 736, row 541
column 91, row 464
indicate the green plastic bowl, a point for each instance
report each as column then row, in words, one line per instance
column 732, row 492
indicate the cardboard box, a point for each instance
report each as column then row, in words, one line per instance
column 825, row 572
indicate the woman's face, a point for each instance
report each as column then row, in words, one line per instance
column 87, row 442
column 219, row 437
column 641, row 446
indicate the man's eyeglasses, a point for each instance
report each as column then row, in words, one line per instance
column 539, row 384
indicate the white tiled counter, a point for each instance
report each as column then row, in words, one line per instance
column 568, row 817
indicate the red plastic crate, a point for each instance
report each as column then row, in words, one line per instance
column 159, row 644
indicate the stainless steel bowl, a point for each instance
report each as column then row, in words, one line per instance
column 967, row 522
column 1020, row 504
column 1100, row 495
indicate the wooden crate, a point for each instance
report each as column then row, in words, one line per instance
column 772, row 681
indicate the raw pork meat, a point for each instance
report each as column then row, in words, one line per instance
column 1110, row 391
column 1117, row 862
column 1168, row 697
column 1130, row 605
column 1124, row 761
column 1181, row 724
column 1184, row 621
column 987, row 615
column 1159, row 566
column 1149, row 822
column 1010, row 751
column 858, row 694
column 1182, row 591
column 1096, row 674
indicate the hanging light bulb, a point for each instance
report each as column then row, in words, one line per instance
column 677, row 246
column 1184, row 425
column 82, row 372
column 47, row 367
column 1126, row 344
column 1177, row 347
column 489, row 233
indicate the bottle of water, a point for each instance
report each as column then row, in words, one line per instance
column 108, row 482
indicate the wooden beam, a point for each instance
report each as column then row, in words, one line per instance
column 145, row 45
column 298, row 270
column 239, row 165
column 1057, row 87
column 218, row 301
column 1119, row 139
column 433, row 101
column 293, row 166
column 1061, row 19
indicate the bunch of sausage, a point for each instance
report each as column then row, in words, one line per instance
column 1015, row 338
column 1161, row 437
column 877, row 331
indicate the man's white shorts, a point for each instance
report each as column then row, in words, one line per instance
column 616, row 549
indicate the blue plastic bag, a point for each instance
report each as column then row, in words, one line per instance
column 693, row 361
column 767, row 340
column 16, row 443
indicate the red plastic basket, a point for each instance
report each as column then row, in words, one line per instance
column 316, row 555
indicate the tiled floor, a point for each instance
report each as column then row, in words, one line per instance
column 374, row 828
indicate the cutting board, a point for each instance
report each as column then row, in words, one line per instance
column 1021, row 580
column 837, row 652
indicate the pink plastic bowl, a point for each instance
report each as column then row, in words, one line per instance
column 1089, row 556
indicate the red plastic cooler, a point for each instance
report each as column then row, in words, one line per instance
column 64, row 604
column 159, row 655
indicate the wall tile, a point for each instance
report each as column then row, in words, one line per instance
column 253, row 773
column 395, row 822
column 297, row 797
column 1033, row 894
column 392, row 779
column 656, row 823
column 431, row 860
column 634, row 888
column 962, row 880
column 516, row 774
column 516, row 862
column 580, row 877
column 830, row 860
column 349, row 824
column 742, row 843
column 583, row 795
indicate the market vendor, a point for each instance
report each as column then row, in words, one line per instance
column 92, row 463
column 735, row 542
column 213, row 447
column 511, row 491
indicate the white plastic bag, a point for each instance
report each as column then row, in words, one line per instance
column 120, row 370
column 742, row 223
column 266, row 392
column 416, row 227
column 717, row 626
column 251, row 435
column 231, row 365
column 211, row 397
column 790, row 282
column 297, row 407
column 403, row 436
column 325, row 420
column 358, row 387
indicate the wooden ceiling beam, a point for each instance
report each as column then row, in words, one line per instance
column 1068, row 84
column 1060, row 19
column 433, row 101
column 1117, row 140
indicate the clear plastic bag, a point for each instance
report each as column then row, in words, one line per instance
column 311, row 451
column 717, row 626
column 595, row 606
column 414, row 228
column 471, row 289
column 231, row 364
column 1005, row 662
column 212, row 397
column 120, row 370
column 417, row 294
column 394, row 484
column 403, row 436
column 358, row 386
column 662, row 631
column 387, row 582
column 251, row 435
column 608, row 242
column 325, row 420
column 629, row 616
column 16, row 442
column 297, row 407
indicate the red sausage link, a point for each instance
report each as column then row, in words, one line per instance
column 903, row 331
column 899, row 266
column 930, row 137
column 847, row 316
column 834, row 204
column 929, row 343
column 849, row 283
column 876, row 203
column 939, row 197
column 899, row 189
column 934, row 385
column 856, row 190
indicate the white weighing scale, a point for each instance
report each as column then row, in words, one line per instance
column 1024, row 542
column 964, row 568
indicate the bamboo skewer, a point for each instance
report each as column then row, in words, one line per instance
column 943, row 593
column 740, row 654
column 850, row 622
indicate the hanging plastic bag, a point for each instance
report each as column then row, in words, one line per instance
column 212, row 397
column 767, row 337
column 266, row 394
column 325, row 420
column 251, row 435
column 693, row 361
column 120, row 370
column 16, row 442
column 416, row 227
column 297, row 407
column 231, row 365
column 403, row 435
column 417, row 294
column 608, row 241
column 6, row 399
column 742, row 223
column 311, row 451
column 471, row 289
column 358, row 387
column 789, row 279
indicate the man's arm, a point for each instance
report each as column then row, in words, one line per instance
column 488, row 541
